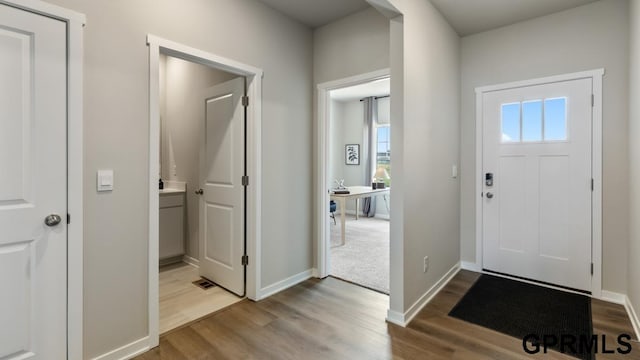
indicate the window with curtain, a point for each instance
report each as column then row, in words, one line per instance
column 383, row 149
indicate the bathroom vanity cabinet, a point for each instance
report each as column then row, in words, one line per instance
column 172, row 210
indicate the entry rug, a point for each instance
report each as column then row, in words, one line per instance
column 522, row 310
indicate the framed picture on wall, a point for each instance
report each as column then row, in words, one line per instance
column 352, row 154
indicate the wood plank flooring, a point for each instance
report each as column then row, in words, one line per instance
column 182, row 302
column 331, row 319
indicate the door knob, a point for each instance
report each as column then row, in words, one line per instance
column 489, row 195
column 52, row 220
column 199, row 192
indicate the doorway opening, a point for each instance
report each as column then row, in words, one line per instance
column 204, row 148
column 188, row 127
column 354, row 216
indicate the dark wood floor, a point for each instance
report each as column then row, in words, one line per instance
column 331, row 319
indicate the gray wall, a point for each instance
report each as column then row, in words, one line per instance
column 633, row 282
column 588, row 37
column 428, row 129
column 116, row 136
column 181, row 132
column 346, row 123
column 353, row 45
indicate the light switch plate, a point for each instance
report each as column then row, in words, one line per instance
column 105, row 180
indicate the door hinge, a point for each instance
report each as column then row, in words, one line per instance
column 591, row 268
column 592, row 184
column 68, row 219
column 245, row 101
column 245, row 180
column 245, row 259
column 593, row 100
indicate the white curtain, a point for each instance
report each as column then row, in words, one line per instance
column 369, row 151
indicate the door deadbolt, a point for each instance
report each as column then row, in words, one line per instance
column 488, row 179
column 199, row 191
column 489, row 195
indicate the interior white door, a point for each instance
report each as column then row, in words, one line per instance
column 222, row 201
column 537, row 211
column 33, row 186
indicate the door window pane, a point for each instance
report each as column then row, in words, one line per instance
column 555, row 119
column 511, row 122
column 532, row 120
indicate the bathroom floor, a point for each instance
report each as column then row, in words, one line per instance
column 181, row 301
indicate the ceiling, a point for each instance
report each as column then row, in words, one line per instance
column 380, row 87
column 473, row 16
column 465, row 16
column 315, row 13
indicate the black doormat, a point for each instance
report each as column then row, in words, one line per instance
column 524, row 310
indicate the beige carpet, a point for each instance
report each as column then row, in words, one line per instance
column 364, row 259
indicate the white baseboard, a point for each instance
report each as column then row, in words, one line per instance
column 284, row 284
column 191, row 261
column 315, row 273
column 633, row 316
column 404, row 319
column 128, row 351
column 471, row 266
column 396, row 317
column 613, row 297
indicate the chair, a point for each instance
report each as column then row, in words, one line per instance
column 332, row 209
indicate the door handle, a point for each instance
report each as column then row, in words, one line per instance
column 199, row 191
column 52, row 220
column 489, row 195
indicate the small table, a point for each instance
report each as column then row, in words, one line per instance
column 357, row 193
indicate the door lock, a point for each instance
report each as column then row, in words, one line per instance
column 488, row 179
column 199, row 191
column 489, row 195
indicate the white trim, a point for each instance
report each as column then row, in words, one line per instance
column 596, row 165
column 633, row 316
column 49, row 10
column 613, row 297
column 75, row 269
column 404, row 319
column 191, row 261
column 128, row 351
column 75, row 169
column 321, row 217
column 396, row 317
column 254, row 156
column 284, row 284
column 470, row 266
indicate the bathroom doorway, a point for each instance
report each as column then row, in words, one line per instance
column 195, row 155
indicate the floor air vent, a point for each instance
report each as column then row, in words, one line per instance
column 204, row 284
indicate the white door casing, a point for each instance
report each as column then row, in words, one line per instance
column 538, row 223
column 33, row 185
column 222, row 201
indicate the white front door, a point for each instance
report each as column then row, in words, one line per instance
column 33, row 186
column 222, row 204
column 537, row 182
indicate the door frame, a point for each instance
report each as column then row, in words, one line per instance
column 596, row 165
column 322, row 161
column 253, row 75
column 75, row 22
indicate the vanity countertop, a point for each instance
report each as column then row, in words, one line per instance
column 167, row 191
column 173, row 187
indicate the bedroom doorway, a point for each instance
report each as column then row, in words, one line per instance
column 357, row 172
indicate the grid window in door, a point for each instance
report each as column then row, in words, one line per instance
column 541, row 120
